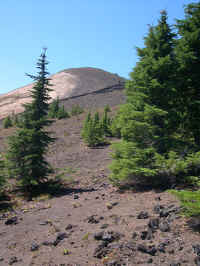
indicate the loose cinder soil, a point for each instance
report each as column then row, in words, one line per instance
column 90, row 222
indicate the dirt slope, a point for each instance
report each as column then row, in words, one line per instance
column 66, row 83
column 90, row 222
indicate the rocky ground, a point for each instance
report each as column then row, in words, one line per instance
column 90, row 222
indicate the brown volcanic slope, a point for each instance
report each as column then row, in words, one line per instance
column 70, row 83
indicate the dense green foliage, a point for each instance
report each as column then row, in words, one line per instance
column 27, row 148
column 57, row 111
column 92, row 132
column 7, row 122
column 76, row 110
column 157, row 147
column 188, row 72
column 190, row 201
column 2, row 175
column 95, row 129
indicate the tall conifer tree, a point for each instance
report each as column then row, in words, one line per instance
column 27, row 149
column 188, row 57
column 148, row 119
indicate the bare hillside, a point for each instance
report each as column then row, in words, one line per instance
column 67, row 83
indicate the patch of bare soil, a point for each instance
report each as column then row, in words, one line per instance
column 90, row 222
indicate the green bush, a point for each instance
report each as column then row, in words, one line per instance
column 61, row 114
column 92, row 132
column 76, row 110
column 190, row 201
column 7, row 122
column 145, row 166
column 2, row 175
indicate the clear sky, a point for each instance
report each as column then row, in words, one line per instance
column 77, row 33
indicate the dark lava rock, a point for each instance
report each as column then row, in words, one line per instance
column 69, row 227
column 164, row 227
column 134, row 235
column 1, row 259
column 196, row 249
column 34, row 246
column 92, row 219
column 101, row 251
column 150, row 260
column 12, row 220
column 76, row 197
column 197, row 261
column 143, row 215
column 161, row 247
column 175, row 264
column 104, row 226
column 154, row 223
column 108, row 236
column 99, row 235
column 147, row 235
column 13, row 260
column 151, row 250
column 47, row 243
column 59, row 238
column 157, row 208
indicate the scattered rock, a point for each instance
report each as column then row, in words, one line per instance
column 99, row 235
column 76, row 197
column 196, row 249
column 151, row 250
column 12, row 220
column 143, row 215
column 93, row 219
column 197, row 261
column 13, row 260
column 108, row 236
column 154, row 223
column 164, row 226
column 134, row 235
column 161, row 247
column 175, row 264
column 47, row 243
column 101, row 251
column 34, row 246
column 69, row 227
column 59, row 238
column 147, row 235
column 104, row 226
column 158, row 208
column 1, row 259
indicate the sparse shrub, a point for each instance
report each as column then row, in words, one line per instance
column 190, row 201
column 106, row 123
column 53, row 109
column 2, row 175
column 7, row 122
column 76, row 110
column 61, row 114
column 92, row 132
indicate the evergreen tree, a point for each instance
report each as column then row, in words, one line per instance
column 106, row 123
column 2, row 175
column 26, row 154
column 148, row 119
column 7, row 122
column 92, row 132
column 53, row 109
column 188, row 57
column 62, row 113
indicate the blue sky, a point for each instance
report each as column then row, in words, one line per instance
column 77, row 33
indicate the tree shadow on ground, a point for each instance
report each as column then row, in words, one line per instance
column 194, row 224
column 53, row 188
column 5, row 203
